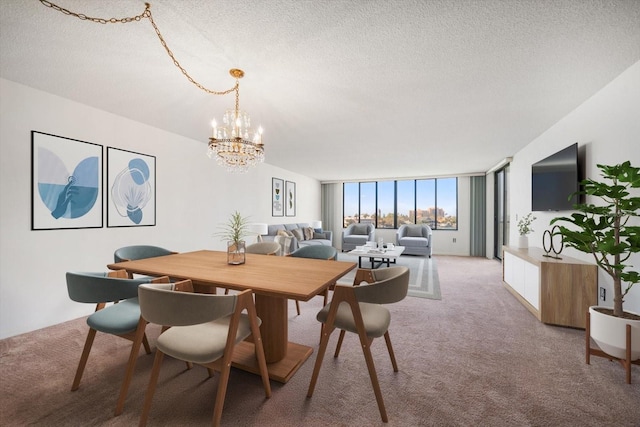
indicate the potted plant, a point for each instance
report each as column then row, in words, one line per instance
column 606, row 231
column 233, row 232
column 524, row 228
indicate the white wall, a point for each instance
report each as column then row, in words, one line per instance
column 194, row 196
column 607, row 129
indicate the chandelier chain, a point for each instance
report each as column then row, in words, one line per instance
column 143, row 15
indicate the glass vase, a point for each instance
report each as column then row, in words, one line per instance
column 236, row 252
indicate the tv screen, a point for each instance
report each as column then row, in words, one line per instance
column 554, row 179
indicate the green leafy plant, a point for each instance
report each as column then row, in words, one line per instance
column 603, row 230
column 235, row 229
column 524, row 225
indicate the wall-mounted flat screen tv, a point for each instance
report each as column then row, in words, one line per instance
column 554, row 179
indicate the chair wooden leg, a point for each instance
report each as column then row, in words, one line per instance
column 387, row 339
column 222, row 391
column 298, row 307
column 368, row 357
column 339, row 345
column 209, row 370
column 259, row 350
column 151, row 389
column 326, row 332
column 83, row 359
column 145, row 343
column 131, row 364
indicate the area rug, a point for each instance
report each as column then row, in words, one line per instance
column 423, row 274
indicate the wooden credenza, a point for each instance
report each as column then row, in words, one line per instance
column 557, row 292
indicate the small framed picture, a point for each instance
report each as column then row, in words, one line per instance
column 277, row 197
column 290, row 198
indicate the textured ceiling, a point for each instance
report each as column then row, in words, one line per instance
column 344, row 89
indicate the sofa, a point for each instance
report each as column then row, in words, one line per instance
column 294, row 236
column 416, row 239
column 357, row 235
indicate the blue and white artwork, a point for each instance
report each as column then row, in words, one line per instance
column 67, row 183
column 131, row 181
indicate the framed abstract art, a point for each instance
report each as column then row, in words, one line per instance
column 131, row 189
column 66, row 183
column 290, row 198
column 277, row 197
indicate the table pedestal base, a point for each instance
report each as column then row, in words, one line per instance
column 244, row 358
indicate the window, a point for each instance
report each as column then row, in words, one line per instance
column 350, row 203
column 406, row 202
column 426, row 202
column 386, row 205
column 368, row 202
column 390, row 204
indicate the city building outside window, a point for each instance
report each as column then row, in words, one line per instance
column 390, row 204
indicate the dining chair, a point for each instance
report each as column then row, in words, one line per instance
column 316, row 252
column 135, row 252
column 121, row 318
column 359, row 309
column 201, row 329
column 264, row 248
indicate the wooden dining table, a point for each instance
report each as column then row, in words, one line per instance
column 273, row 279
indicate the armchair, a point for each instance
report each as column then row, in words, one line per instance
column 416, row 239
column 357, row 235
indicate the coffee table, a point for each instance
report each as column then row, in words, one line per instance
column 377, row 257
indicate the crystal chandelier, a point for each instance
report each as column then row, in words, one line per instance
column 235, row 144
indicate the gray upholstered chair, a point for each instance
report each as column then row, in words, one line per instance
column 359, row 309
column 416, row 239
column 131, row 253
column 202, row 329
column 264, row 248
column 316, row 252
column 122, row 319
column 357, row 235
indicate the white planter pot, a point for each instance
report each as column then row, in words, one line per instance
column 523, row 242
column 609, row 333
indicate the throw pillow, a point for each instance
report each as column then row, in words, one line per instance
column 308, row 233
column 414, row 231
column 284, row 233
column 285, row 244
column 360, row 229
column 319, row 236
column 297, row 233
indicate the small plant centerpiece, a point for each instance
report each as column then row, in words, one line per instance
column 606, row 231
column 233, row 232
column 524, row 228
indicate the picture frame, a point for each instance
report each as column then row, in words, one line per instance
column 131, row 188
column 290, row 198
column 277, row 197
column 66, row 183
